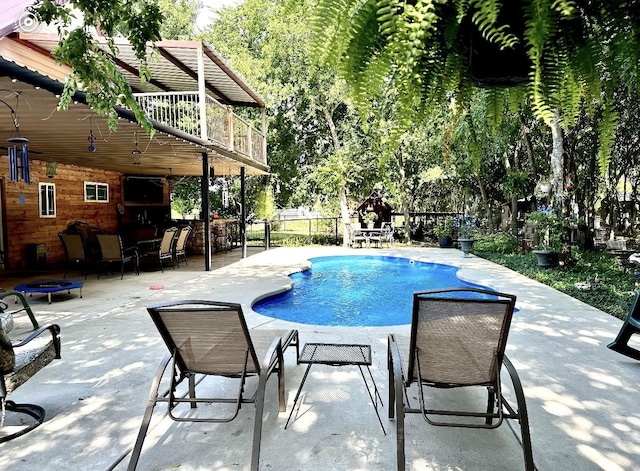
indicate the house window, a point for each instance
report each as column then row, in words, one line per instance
column 47, row 200
column 96, row 192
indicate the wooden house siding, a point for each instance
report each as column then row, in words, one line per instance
column 25, row 227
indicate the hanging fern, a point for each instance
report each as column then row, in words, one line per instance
column 577, row 50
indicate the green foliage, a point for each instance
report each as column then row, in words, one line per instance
column 517, row 184
column 93, row 70
column 550, row 229
column 499, row 242
column 613, row 296
column 179, row 18
column 578, row 51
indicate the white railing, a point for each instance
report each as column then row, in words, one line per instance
column 181, row 110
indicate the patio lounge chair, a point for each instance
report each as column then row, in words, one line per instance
column 19, row 361
column 456, row 342
column 631, row 326
column 212, row 338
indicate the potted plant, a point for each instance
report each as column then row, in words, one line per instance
column 466, row 236
column 444, row 234
column 369, row 219
column 549, row 231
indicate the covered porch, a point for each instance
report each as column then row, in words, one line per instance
column 190, row 99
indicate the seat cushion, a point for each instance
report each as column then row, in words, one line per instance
column 7, row 356
column 30, row 359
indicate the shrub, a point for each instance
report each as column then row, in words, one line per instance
column 499, row 242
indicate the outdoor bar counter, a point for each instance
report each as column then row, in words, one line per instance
column 224, row 235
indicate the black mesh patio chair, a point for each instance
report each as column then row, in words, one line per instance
column 209, row 338
column 74, row 252
column 20, row 359
column 630, row 327
column 112, row 251
column 456, row 342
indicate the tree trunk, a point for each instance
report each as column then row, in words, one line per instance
column 487, row 204
column 342, row 192
column 403, row 197
column 557, row 161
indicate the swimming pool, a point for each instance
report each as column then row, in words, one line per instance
column 358, row 290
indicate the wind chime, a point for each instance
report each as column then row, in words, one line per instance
column 18, row 157
column 91, row 138
column 136, row 152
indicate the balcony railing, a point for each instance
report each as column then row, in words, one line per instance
column 181, row 110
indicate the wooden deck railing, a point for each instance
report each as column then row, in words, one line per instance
column 181, row 110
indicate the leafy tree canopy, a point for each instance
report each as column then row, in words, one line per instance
column 93, row 70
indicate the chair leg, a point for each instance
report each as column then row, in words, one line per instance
column 146, row 419
column 620, row 344
column 396, row 401
column 32, row 410
column 257, row 427
column 522, row 414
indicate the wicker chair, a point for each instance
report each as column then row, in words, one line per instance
column 212, row 338
column 458, row 338
column 19, row 361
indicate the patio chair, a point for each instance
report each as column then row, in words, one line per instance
column 456, row 342
column 355, row 235
column 165, row 251
column 212, row 339
column 181, row 244
column 74, row 252
column 19, row 361
column 385, row 236
column 630, row 327
column 113, row 251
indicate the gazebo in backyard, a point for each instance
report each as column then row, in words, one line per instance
column 376, row 205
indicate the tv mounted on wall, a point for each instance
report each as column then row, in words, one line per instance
column 143, row 190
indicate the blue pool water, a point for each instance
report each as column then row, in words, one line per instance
column 358, row 291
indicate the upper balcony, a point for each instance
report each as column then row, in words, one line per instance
column 184, row 111
column 191, row 96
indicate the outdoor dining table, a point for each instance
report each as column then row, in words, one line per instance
column 371, row 232
column 150, row 244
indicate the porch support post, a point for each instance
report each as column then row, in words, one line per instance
column 243, row 214
column 263, row 157
column 206, row 211
column 202, row 96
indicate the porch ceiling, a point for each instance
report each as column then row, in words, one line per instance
column 62, row 136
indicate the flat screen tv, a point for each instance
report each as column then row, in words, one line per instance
column 143, row 190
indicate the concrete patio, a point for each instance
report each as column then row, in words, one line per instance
column 583, row 399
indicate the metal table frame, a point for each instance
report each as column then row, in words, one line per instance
column 339, row 354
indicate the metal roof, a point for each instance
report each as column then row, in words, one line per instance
column 27, row 67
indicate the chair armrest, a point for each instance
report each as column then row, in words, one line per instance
column 396, row 380
column 273, row 357
column 25, row 305
column 54, row 329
